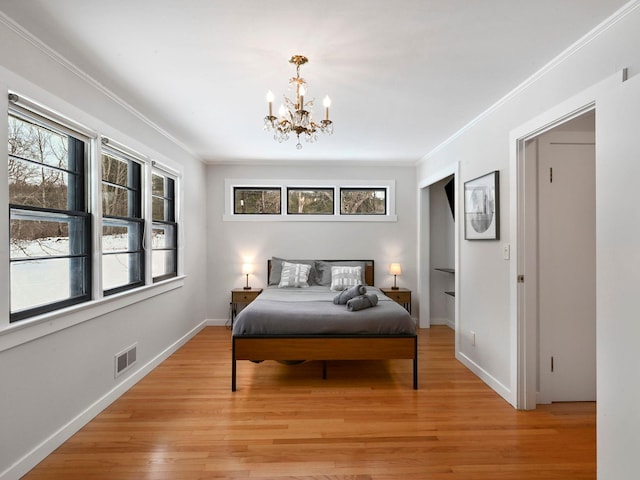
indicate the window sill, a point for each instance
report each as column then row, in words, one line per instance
column 309, row 218
column 25, row 331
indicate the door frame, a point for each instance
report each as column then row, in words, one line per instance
column 523, row 214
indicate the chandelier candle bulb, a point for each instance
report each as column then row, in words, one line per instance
column 270, row 100
column 302, row 92
column 327, row 103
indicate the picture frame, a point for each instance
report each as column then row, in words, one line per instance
column 482, row 207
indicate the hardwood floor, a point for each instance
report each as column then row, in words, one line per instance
column 364, row 422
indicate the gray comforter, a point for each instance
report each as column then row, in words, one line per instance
column 311, row 311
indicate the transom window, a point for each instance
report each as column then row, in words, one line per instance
column 310, row 201
column 256, row 200
column 363, row 201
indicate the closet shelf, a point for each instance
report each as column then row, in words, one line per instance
column 446, row 270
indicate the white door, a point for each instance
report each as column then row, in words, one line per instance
column 566, row 268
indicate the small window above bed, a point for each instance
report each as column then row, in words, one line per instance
column 256, row 201
column 363, row 201
column 310, row 200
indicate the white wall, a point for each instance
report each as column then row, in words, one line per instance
column 52, row 385
column 231, row 241
column 487, row 282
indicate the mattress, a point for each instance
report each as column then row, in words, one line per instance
column 311, row 311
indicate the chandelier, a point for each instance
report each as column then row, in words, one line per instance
column 293, row 116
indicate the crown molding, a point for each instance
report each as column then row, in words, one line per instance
column 71, row 67
column 309, row 163
column 559, row 59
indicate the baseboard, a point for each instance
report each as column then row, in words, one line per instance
column 442, row 321
column 486, row 377
column 218, row 322
column 40, row 452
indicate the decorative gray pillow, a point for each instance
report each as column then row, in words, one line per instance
column 294, row 275
column 323, row 270
column 343, row 277
column 276, row 270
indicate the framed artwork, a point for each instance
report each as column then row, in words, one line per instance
column 482, row 207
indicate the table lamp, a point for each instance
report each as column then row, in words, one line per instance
column 395, row 269
column 247, row 268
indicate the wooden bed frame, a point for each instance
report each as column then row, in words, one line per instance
column 325, row 347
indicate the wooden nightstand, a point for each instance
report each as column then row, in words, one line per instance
column 241, row 296
column 401, row 295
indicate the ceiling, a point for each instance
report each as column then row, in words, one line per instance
column 403, row 75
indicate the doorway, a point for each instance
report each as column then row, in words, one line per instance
column 438, row 209
column 442, row 252
column 557, row 241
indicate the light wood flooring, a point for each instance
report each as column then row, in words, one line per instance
column 364, row 422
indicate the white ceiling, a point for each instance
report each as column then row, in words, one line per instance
column 403, row 75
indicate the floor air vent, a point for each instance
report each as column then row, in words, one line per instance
column 125, row 359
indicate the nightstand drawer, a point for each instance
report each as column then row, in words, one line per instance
column 400, row 297
column 244, row 297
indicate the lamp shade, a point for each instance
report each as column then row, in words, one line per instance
column 395, row 269
column 247, row 268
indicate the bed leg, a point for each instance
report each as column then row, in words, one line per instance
column 233, row 365
column 324, row 369
column 415, row 366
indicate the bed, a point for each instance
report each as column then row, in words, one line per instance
column 295, row 324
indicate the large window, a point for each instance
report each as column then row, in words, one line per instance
column 164, row 255
column 50, row 226
column 122, row 223
column 86, row 219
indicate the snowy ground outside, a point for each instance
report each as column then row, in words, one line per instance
column 39, row 282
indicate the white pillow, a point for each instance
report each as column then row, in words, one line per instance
column 343, row 277
column 294, row 275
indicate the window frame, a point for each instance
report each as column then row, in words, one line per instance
column 79, row 149
column 290, row 189
column 371, row 189
column 256, row 188
column 171, row 222
column 135, row 215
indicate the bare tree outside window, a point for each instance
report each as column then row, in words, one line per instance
column 316, row 201
column 37, row 174
column 256, row 200
column 363, row 201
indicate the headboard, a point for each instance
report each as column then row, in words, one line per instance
column 368, row 269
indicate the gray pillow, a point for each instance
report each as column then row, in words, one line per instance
column 323, row 270
column 294, row 275
column 344, row 277
column 276, row 270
